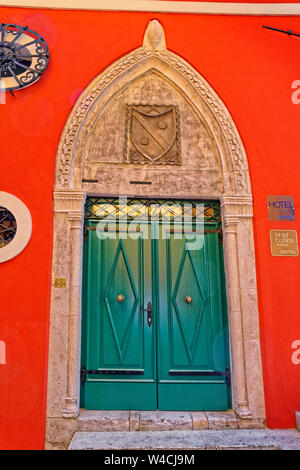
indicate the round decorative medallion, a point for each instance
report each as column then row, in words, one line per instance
column 15, row 226
column 24, row 56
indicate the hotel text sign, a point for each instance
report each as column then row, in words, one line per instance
column 284, row 243
column 281, row 208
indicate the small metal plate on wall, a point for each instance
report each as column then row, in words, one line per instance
column 284, row 243
column 60, row 282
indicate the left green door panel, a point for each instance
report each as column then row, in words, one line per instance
column 117, row 335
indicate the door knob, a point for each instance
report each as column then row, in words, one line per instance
column 188, row 299
column 120, row 298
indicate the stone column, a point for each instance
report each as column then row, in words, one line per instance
column 239, row 386
column 71, row 407
column 239, row 254
column 65, row 324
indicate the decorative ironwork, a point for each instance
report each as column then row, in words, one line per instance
column 8, row 227
column 152, row 209
column 204, row 373
column 24, row 56
column 84, row 372
column 152, row 134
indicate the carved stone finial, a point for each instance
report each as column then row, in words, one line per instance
column 154, row 37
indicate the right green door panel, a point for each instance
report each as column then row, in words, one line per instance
column 178, row 361
column 191, row 326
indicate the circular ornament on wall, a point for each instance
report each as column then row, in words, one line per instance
column 15, row 226
column 24, row 56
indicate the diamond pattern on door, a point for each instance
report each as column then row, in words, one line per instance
column 121, row 314
column 189, row 315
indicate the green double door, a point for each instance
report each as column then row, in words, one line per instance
column 154, row 323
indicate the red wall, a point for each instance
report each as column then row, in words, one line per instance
column 252, row 69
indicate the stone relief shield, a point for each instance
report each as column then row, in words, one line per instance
column 153, row 135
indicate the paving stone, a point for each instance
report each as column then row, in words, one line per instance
column 289, row 439
column 219, row 420
column 59, row 432
column 90, row 420
column 252, row 423
column 199, row 420
column 134, row 420
column 198, row 440
column 169, row 420
column 53, row 446
column 148, row 420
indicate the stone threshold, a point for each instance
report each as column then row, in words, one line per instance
column 246, row 439
column 90, row 420
column 61, row 430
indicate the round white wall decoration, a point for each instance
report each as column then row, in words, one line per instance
column 15, row 226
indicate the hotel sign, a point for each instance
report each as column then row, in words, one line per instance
column 281, row 208
column 284, row 243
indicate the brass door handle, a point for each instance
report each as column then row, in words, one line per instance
column 120, row 298
column 188, row 299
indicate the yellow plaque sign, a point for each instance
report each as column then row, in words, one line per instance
column 60, row 282
column 284, row 243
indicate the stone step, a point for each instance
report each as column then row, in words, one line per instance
column 101, row 420
column 187, row 440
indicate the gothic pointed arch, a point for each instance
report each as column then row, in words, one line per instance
column 152, row 74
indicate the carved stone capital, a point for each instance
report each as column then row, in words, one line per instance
column 240, row 207
column 76, row 219
column 229, row 223
column 66, row 201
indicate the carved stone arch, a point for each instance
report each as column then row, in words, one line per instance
column 217, row 169
column 120, row 75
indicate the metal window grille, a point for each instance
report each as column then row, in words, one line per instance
column 149, row 209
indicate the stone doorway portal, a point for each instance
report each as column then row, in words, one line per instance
column 115, row 142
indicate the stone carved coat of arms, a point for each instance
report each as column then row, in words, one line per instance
column 153, row 135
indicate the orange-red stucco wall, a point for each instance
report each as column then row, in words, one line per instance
column 252, row 70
